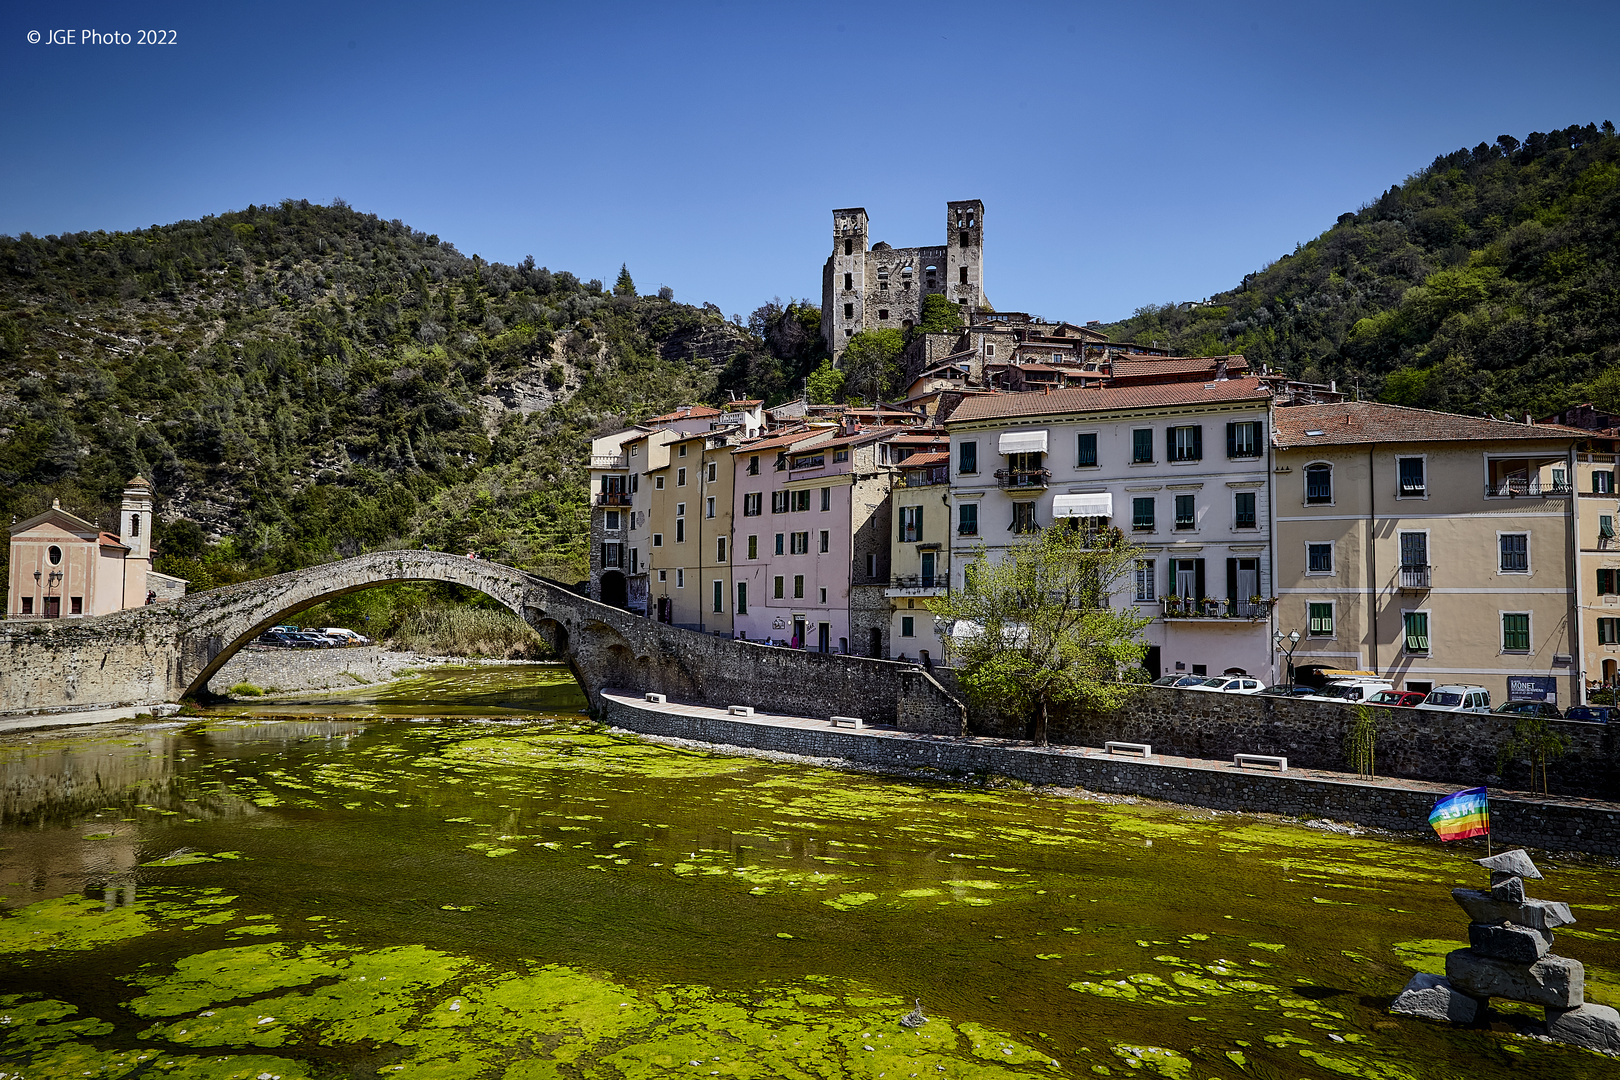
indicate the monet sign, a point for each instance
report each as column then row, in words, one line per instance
column 1533, row 688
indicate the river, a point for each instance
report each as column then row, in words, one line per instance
column 459, row 875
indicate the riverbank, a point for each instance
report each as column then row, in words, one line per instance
column 1559, row 823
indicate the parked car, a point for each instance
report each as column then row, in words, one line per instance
column 1230, row 684
column 1458, row 697
column 1293, row 690
column 1179, row 681
column 1529, row 708
column 1591, row 714
column 345, row 636
column 1353, row 690
column 1399, row 699
column 306, row 639
column 275, row 637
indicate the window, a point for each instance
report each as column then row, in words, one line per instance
column 753, row 465
column 962, row 272
column 1186, row 443
column 635, row 451
column 27, row 605
column 711, row 472
column 1607, row 581
column 752, row 503
column 663, row 575
column 1319, row 558
column 1187, row 578
column 680, row 578
column 708, row 507
column 658, row 541
column 1605, row 529
column 612, row 556
column 824, row 542
column 1603, row 482
column 75, row 605
column 849, row 247
column 801, row 500
column 826, row 499
column 1086, row 451
column 680, row 509
column 742, row 597
column 658, row 482
column 911, row 524
column 1186, row 512
column 1513, row 553
column 849, row 311
column 1245, row 516
column 720, row 549
column 1144, row 580
column 682, row 450
column 1142, row 446
column 1023, row 520
column 1411, row 476
column 989, row 350
column 1321, row 619
column 680, row 530
column 719, row 597
column 883, row 313
column 780, row 538
column 908, row 625
column 1608, row 631
column 801, row 543
column 967, row 519
column 871, row 566
column 779, row 502
column 967, row 458
column 1414, row 550
column 135, row 525
column 1516, row 631
column 1142, row 513
column 1560, row 479
column 776, row 584
column 753, row 547
column 1243, row 439
column 635, row 482
column 610, row 521
column 798, row 586
column 1318, row 483
column 680, row 475
column 840, row 455
column 849, row 281
column 1417, row 631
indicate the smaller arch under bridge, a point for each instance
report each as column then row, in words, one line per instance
column 169, row 651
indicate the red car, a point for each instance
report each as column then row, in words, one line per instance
column 1400, row 699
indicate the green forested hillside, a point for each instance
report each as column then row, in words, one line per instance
column 302, row 382
column 1487, row 283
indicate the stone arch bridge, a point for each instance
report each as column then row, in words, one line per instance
column 168, row 652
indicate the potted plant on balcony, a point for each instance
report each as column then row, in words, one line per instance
column 1257, row 606
column 1172, row 605
column 1212, row 607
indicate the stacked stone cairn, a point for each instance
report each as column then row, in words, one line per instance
column 1509, row 935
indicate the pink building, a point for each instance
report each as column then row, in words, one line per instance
column 811, row 540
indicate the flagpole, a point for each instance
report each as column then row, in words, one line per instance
column 1487, row 822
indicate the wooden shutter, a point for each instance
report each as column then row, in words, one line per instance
column 1198, row 579
column 1231, row 439
column 1198, row 442
column 1231, row 580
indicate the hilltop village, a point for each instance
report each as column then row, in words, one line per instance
column 1283, row 526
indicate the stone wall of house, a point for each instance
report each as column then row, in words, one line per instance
column 1554, row 824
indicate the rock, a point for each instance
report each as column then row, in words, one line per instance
column 1541, row 914
column 1509, row 889
column 1431, row 997
column 1596, row 1027
column 1518, row 944
column 1554, row 981
column 1511, row 862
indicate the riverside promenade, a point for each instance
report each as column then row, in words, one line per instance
column 1555, row 823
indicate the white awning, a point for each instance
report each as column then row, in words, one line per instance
column 1022, row 442
column 1100, row 504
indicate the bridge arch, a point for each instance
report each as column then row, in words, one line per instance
column 230, row 618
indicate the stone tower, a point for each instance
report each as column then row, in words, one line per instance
column 867, row 286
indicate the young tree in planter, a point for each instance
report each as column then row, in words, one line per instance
column 1535, row 739
column 1034, row 630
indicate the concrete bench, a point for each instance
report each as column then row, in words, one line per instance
column 848, row 721
column 740, row 710
column 1145, row 749
column 657, row 699
column 1239, row 760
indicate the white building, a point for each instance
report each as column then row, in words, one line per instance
column 1180, row 468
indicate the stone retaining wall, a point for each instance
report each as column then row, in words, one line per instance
column 285, row 670
column 1553, row 824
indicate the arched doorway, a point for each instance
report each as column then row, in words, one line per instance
column 615, row 589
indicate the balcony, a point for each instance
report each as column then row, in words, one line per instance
column 607, row 461
column 1415, row 578
column 1023, row 478
column 1232, row 611
column 612, row 498
column 934, row 474
column 917, row 585
column 1514, row 487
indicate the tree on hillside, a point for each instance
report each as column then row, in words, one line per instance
column 624, row 286
column 1034, row 630
column 939, row 316
column 871, row 365
column 824, row 384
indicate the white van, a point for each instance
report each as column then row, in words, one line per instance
column 1458, row 697
column 1351, row 690
column 344, row 636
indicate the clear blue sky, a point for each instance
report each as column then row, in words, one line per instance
column 1126, row 153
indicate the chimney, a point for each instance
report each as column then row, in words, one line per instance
column 1527, row 420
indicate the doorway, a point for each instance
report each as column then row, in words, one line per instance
column 874, row 648
column 615, row 590
column 928, row 558
column 823, row 637
column 798, row 632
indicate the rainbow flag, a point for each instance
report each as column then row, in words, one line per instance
column 1465, row 814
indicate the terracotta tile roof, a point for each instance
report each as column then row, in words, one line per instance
column 744, row 403
column 791, row 438
column 107, row 539
column 686, row 412
column 1079, row 399
column 1348, row 422
column 1166, row 365
column 920, row 461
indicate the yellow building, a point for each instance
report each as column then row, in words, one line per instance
column 920, row 553
column 1428, row 547
column 688, row 508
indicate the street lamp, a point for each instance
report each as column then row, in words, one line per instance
column 1292, row 638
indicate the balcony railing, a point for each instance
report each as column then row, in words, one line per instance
column 607, row 461
column 1210, row 608
column 917, row 581
column 1415, row 577
column 935, row 474
column 612, row 498
column 1023, row 478
column 1514, row 486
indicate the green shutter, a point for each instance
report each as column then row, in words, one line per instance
column 1321, row 617
column 1417, row 631
column 1516, row 633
